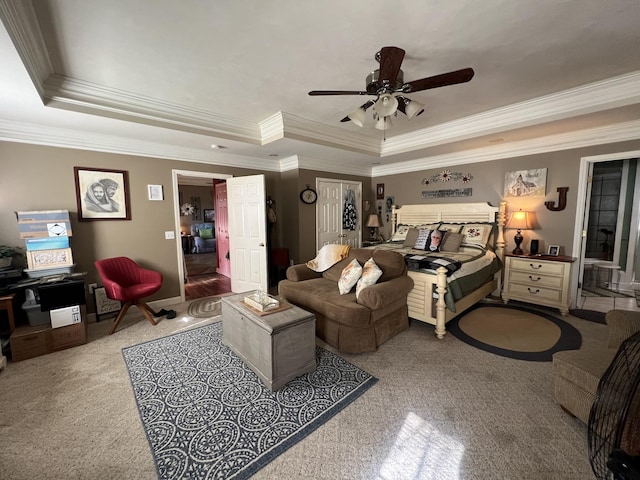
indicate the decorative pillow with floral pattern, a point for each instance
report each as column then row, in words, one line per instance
column 371, row 272
column 349, row 277
column 477, row 233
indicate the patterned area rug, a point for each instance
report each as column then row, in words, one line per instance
column 205, row 307
column 207, row 415
column 515, row 332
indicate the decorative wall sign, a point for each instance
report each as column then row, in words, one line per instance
column 102, row 194
column 446, row 176
column 562, row 200
column 380, row 191
column 450, row 192
column 526, row 183
column 104, row 304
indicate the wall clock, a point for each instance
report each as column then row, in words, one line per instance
column 308, row 195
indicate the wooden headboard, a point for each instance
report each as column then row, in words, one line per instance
column 425, row 214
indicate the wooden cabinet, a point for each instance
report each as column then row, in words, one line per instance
column 538, row 280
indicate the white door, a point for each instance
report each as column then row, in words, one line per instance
column 247, row 233
column 329, row 211
column 583, row 243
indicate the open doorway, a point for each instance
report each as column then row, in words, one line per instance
column 608, row 239
column 197, row 244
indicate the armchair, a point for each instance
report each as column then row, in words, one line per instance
column 204, row 240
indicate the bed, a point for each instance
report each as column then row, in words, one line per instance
column 440, row 291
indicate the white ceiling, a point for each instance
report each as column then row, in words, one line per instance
column 168, row 79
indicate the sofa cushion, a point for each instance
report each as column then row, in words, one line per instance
column 583, row 367
column 370, row 275
column 349, row 277
column 206, row 233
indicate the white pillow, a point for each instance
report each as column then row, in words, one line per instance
column 349, row 277
column 400, row 233
column 423, row 237
column 371, row 272
column 476, row 233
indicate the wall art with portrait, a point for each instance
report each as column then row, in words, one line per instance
column 102, row 194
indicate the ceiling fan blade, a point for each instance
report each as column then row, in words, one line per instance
column 390, row 63
column 442, row 80
column 336, row 92
column 364, row 106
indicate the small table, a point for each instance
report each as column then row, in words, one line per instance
column 278, row 347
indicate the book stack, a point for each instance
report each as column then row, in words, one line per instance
column 46, row 234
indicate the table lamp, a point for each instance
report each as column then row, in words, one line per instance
column 373, row 222
column 520, row 221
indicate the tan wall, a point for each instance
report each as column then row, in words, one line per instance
column 488, row 183
column 41, row 178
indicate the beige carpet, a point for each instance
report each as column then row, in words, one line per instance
column 524, row 332
column 441, row 409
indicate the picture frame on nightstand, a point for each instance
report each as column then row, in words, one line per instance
column 554, row 250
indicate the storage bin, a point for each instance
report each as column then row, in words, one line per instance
column 34, row 315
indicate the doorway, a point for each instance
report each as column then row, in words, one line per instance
column 606, row 237
column 197, row 268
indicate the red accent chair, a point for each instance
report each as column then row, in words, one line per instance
column 126, row 281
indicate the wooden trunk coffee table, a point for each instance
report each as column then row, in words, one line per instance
column 278, row 347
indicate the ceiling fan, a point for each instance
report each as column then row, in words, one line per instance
column 388, row 86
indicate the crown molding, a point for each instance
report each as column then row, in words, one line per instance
column 75, row 139
column 598, row 96
column 22, row 26
column 620, row 132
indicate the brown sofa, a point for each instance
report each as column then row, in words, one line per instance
column 578, row 372
column 350, row 325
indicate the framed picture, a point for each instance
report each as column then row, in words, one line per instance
column 380, row 191
column 209, row 214
column 196, row 215
column 102, row 194
column 104, row 305
column 155, row 192
column 526, row 183
column 554, row 250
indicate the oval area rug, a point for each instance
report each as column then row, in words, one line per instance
column 515, row 332
column 205, row 307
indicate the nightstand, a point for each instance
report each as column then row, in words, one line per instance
column 538, row 279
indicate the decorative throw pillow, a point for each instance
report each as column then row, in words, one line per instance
column 421, row 241
column 206, row 233
column 412, row 236
column 477, row 233
column 371, row 272
column 349, row 277
column 400, row 234
column 435, row 240
column 451, row 242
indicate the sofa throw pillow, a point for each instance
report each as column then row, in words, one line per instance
column 435, row 240
column 371, row 272
column 206, row 233
column 423, row 238
column 451, row 242
column 349, row 277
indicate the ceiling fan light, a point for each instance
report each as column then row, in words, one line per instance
column 386, row 105
column 358, row 116
column 413, row 108
column 383, row 123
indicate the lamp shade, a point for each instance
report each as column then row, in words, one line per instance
column 413, row 108
column 373, row 221
column 386, row 105
column 358, row 116
column 519, row 220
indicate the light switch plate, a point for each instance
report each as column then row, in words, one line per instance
column 169, row 235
